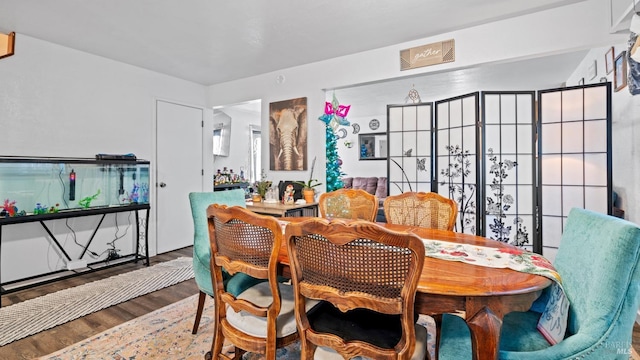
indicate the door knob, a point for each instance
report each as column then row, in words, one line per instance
column 163, row 185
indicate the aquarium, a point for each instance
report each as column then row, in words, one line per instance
column 33, row 185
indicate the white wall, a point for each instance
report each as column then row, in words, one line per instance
column 583, row 25
column 625, row 132
column 56, row 101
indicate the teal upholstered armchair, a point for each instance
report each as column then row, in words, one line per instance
column 598, row 262
column 201, row 253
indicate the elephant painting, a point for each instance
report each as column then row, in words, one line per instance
column 288, row 135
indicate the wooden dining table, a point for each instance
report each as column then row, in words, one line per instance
column 481, row 295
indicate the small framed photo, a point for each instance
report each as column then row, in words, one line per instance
column 608, row 61
column 620, row 71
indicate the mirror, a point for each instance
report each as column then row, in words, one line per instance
column 221, row 134
column 373, row 146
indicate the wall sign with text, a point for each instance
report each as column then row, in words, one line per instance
column 425, row 55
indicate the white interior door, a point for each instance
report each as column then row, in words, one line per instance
column 178, row 172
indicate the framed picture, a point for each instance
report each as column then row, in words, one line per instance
column 288, row 134
column 620, row 71
column 608, row 61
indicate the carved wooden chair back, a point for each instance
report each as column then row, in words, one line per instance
column 348, row 204
column 367, row 277
column 242, row 241
column 430, row 210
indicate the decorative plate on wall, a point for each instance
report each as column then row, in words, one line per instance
column 341, row 133
column 374, row 124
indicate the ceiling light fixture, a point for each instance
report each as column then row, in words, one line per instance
column 7, row 42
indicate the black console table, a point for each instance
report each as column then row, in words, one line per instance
column 14, row 285
column 229, row 186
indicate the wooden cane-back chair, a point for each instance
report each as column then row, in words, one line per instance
column 430, row 210
column 260, row 319
column 348, row 204
column 367, row 277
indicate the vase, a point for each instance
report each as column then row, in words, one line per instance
column 309, row 195
column 256, row 198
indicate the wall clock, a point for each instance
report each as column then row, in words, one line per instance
column 374, row 124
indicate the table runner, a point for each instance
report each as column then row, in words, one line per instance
column 553, row 322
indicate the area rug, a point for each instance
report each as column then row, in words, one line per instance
column 166, row 334
column 35, row 315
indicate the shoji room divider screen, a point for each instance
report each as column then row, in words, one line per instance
column 410, row 162
column 515, row 162
column 574, row 157
column 457, row 150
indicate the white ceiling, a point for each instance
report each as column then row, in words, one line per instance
column 214, row 41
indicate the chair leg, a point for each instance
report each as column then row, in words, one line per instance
column 238, row 353
column 438, row 321
column 201, row 299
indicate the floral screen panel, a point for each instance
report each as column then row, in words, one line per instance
column 574, row 157
column 409, row 132
column 456, row 157
column 509, row 167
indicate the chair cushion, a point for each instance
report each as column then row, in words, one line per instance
column 359, row 324
column 260, row 295
column 519, row 333
column 239, row 282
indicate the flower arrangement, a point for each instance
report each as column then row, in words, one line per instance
column 262, row 185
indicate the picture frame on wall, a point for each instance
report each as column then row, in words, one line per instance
column 608, row 60
column 620, row 72
column 288, row 135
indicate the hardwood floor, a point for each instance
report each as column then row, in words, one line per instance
column 64, row 335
